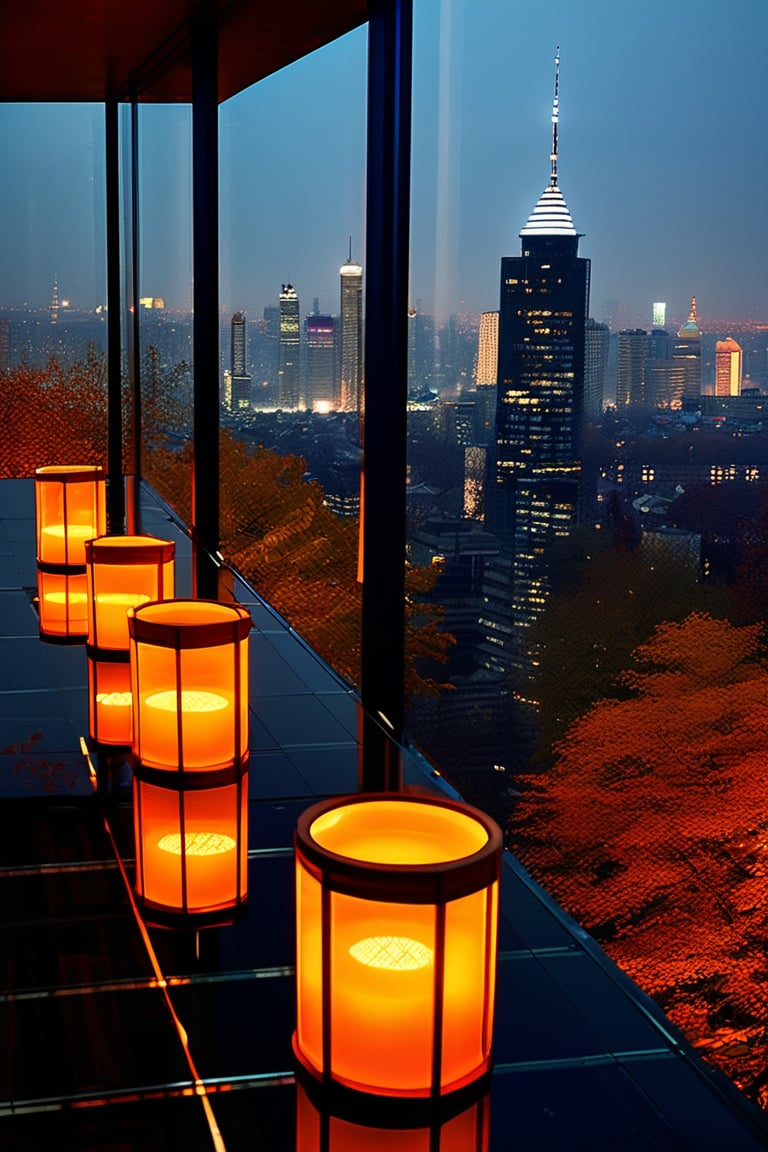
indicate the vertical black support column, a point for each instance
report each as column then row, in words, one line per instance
column 115, row 496
column 205, row 240
column 133, row 317
column 386, row 386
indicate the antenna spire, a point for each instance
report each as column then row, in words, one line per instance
column 555, row 114
column 349, row 261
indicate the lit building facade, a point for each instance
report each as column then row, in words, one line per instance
column 687, row 351
column 288, row 379
column 543, row 309
column 487, row 349
column 632, row 353
column 238, row 388
column 728, row 367
column 597, row 340
column 321, row 390
column 351, row 276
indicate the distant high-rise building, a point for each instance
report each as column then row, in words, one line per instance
column 659, row 315
column 543, row 308
column 351, row 276
column 237, row 388
column 55, row 300
column 597, row 339
column 321, row 362
column 630, row 368
column 288, row 379
column 687, row 350
column 487, row 349
column 5, row 347
column 728, row 362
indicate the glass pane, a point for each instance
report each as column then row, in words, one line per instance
column 52, row 286
column 292, row 206
column 165, row 301
column 587, row 477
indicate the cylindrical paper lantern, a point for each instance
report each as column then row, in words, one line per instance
column 123, row 572
column 397, row 906
column 69, row 509
column 189, row 679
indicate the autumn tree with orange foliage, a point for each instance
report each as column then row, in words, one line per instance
column 53, row 415
column 299, row 555
column 652, row 830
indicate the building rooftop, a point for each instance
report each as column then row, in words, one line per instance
column 120, row 1036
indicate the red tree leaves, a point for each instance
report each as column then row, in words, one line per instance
column 652, row 829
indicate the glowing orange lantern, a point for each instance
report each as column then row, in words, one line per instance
column 189, row 680
column 397, row 906
column 123, row 572
column 69, row 509
column 320, row 1128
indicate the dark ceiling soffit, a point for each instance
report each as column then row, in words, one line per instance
column 66, row 60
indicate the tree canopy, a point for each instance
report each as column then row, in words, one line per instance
column 652, row 830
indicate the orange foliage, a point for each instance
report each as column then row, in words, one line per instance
column 652, row 830
column 52, row 416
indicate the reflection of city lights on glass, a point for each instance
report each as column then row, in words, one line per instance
column 197, row 843
column 70, row 598
column 190, row 701
column 129, row 599
column 114, row 699
column 396, row 953
column 72, row 531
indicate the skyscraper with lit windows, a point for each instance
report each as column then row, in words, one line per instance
column 288, row 379
column 728, row 360
column 687, row 351
column 543, row 309
column 351, row 276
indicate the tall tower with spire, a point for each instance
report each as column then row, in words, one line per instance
column 534, row 485
column 351, row 277
column 55, row 300
column 687, row 351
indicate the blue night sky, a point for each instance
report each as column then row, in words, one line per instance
column 662, row 163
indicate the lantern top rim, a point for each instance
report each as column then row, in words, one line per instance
column 188, row 623
column 111, row 549
column 465, row 854
column 66, row 472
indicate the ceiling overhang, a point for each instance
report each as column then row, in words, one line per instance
column 93, row 50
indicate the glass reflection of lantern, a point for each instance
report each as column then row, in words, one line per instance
column 397, row 906
column 189, row 680
column 69, row 509
column 123, row 572
column 321, row 1128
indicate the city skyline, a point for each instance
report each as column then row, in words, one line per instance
column 657, row 153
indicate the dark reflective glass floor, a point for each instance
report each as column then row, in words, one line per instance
column 119, row 1038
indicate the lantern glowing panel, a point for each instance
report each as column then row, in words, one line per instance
column 123, row 572
column 397, row 905
column 69, row 510
column 189, row 682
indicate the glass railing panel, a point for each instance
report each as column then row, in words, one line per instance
column 52, row 287
column 292, row 243
column 165, row 358
column 587, row 483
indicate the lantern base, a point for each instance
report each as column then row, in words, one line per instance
column 173, row 919
column 387, row 1110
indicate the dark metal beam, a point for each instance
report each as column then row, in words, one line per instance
column 115, row 495
column 386, row 386
column 205, row 239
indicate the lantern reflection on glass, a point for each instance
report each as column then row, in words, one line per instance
column 69, row 509
column 321, row 1128
column 123, row 572
column 397, row 899
column 189, row 680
